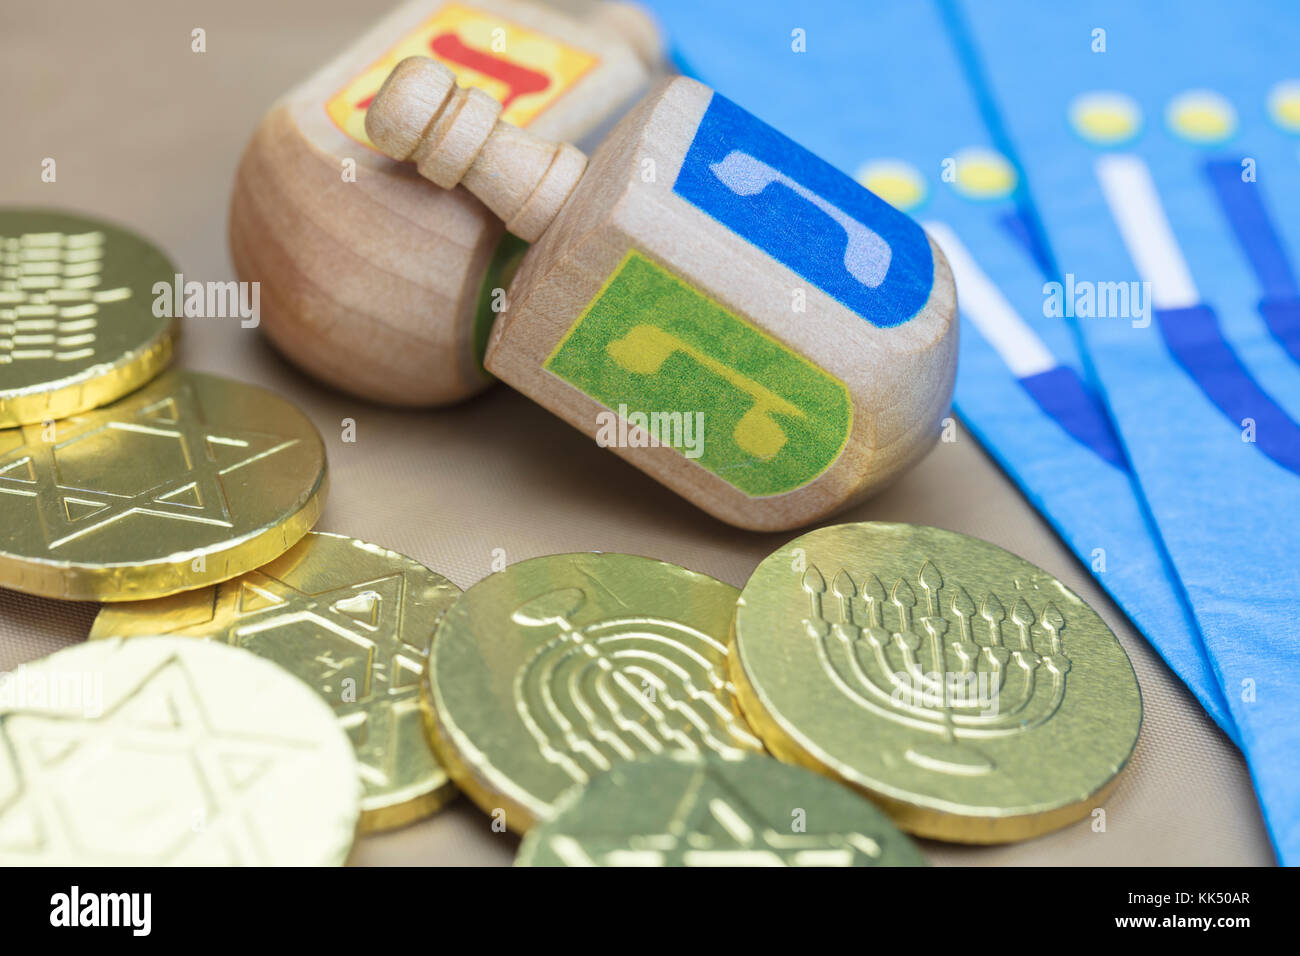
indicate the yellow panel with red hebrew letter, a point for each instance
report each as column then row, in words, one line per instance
column 525, row 70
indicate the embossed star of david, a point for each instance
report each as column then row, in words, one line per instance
column 77, row 495
column 714, row 825
column 79, row 792
column 365, row 620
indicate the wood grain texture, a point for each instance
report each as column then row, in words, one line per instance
column 372, row 285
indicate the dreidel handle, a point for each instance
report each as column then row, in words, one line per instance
column 455, row 135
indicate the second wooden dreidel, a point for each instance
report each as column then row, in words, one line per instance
column 725, row 310
column 371, row 281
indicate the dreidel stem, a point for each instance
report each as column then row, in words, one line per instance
column 455, row 135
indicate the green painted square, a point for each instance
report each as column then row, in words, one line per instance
column 773, row 421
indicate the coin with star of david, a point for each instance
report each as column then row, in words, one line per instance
column 354, row 621
column 702, row 809
column 191, row 480
column 166, row 751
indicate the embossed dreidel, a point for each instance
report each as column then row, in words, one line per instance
column 728, row 312
column 370, row 280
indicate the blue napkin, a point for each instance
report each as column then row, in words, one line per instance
column 1159, row 143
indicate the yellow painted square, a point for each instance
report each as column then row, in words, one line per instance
column 525, row 70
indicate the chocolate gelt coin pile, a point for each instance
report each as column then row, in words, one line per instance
column 260, row 692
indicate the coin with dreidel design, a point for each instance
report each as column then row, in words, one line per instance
column 557, row 668
column 163, row 751
column 681, row 809
column 77, row 324
column 968, row 692
column 188, row 481
column 354, row 621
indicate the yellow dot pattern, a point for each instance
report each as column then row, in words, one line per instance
column 1201, row 116
column 1284, row 105
column 1105, row 118
column 898, row 183
column 984, row 174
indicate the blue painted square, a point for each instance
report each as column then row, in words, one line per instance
column 807, row 215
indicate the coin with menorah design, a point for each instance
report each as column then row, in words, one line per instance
column 77, row 325
column 354, row 621
column 691, row 809
column 558, row 668
column 968, row 692
column 191, row 480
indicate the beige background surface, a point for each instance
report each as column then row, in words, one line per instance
column 147, row 133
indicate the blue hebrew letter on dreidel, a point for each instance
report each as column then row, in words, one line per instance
column 807, row 215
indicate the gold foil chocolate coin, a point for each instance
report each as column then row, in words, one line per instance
column 77, row 323
column 968, row 692
column 681, row 809
column 165, row 751
column 354, row 621
column 189, row 481
column 556, row 669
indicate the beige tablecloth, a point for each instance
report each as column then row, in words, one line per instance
column 148, row 133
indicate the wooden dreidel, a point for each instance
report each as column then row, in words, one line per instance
column 370, row 280
column 729, row 313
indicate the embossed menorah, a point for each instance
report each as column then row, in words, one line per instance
column 915, row 662
column 622, row 687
